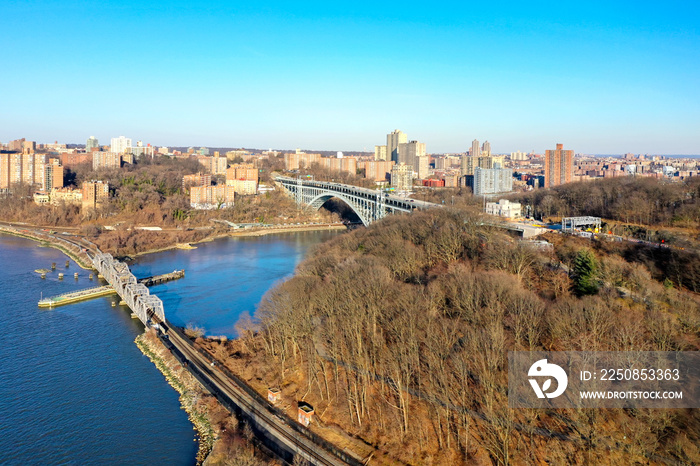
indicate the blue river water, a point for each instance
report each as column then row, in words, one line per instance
column 75, row 389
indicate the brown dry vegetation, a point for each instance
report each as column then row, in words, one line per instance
column 398, row 335
column 150, row 193
column 673, row 209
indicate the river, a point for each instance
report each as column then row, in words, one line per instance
column 75, row 389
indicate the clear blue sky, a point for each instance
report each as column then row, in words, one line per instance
column 599, row 77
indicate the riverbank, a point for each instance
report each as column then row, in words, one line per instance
column 70, row 250
column 246, row 233
column 219, row 434
column 186, row 385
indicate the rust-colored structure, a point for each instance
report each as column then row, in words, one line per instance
column 558, row 166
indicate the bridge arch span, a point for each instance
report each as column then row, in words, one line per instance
column 321, row 199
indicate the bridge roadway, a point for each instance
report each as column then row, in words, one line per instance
column 368, row 204
column 289, row 438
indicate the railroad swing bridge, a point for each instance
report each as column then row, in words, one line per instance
column 135, row 294
column 370, row 205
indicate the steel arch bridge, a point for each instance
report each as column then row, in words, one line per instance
column 368, row 204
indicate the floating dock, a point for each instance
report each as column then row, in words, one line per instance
column 75, row 296
column 98, row 291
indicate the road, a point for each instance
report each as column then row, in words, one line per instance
column 261, row 412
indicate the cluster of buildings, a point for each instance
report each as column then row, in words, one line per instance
column 400, row 164
column 401, row 151
column 91, row 195
column 241, row 179
column 30, row 168
column 299, row 159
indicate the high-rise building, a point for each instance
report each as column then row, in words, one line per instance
column 492, row 180
column 379, row 153
column 27, row 168
column 402, row 177
column 16, row 145
column 92, row 143
column 94, row 193
column 215, row 165
column 421, row 165
column 408, row 151
column 378, row 170
column 200, row 179
column 344, row 164
column 243, row 186
column 210, row 197
column 392, row 144
column 475, row 152
column 120, row 144
column 53, row 175
column 106, row 160
column 294, row 161
column 242, row 171
column 139, row 150
column 486, row 149
column 469, row 163
column 70, row 160
column 558, row 166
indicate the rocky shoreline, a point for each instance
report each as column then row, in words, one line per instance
column 186, row 385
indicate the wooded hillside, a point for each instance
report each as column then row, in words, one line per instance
column 399, row 335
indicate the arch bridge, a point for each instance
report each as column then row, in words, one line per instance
column 368, row 204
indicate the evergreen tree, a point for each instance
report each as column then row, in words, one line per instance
column 585, row 273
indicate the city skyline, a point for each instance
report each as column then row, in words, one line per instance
column 600, row 79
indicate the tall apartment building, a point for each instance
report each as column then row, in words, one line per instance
column 421, row 165
column 380, row 153
column 70, row 160
column 393, row 140
column 16, row 168
column 214, row 165
column 243, row 177
column 492, row 181
column 106, row 160
column 558, row 166
column 139, row 150
column 486, row 149
column 378, row 170
column 242, row 171
column 469, row 163
column 120, row 144
column 199, row 179
column 92, row 143
column 475, row 152
column 402, row 177
column 344, row 164
column 210, row 197
column 16, row 145
column 53, row 175
column 408, row 151
column 94, row 194
column 243, row 186
column 294, row 161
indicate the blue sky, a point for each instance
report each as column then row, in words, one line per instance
column 597, row 77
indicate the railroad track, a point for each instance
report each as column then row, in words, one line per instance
column 270, row 422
